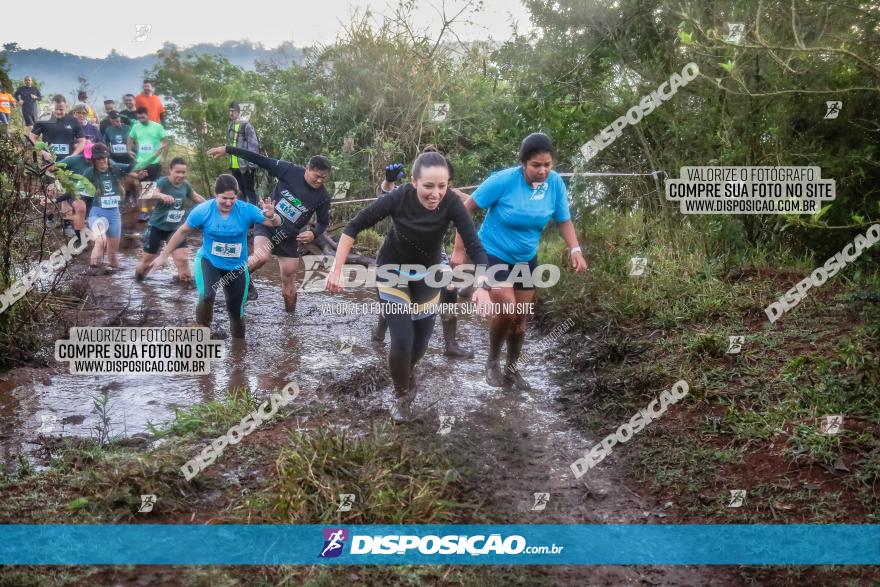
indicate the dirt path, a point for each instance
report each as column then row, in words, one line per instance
column 518, row 444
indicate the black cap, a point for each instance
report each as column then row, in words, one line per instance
column 113, row 115
column 99, row 151
column 234, row 106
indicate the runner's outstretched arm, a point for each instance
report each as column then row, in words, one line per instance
column 366, row 218
column 458, row 252
column 272, row 219
column 275, row 167
column 178, row 237
column 578, row 261
column 342, row 250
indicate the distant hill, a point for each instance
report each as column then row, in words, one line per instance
column 115, row 75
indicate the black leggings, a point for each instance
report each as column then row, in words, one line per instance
column 234, row 283
column 409, row 341
column 410, row 332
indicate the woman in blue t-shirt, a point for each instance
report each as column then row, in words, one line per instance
column 521, row 201
column 222, row 259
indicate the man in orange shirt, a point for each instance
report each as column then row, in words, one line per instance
column 7, row 103
column 150, row 101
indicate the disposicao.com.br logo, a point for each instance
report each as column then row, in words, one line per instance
column 476, row 545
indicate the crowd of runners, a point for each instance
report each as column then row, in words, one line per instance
column 121, row 159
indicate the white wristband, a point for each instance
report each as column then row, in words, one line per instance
column 576, row 249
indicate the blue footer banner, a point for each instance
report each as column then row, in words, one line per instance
column 534, row 544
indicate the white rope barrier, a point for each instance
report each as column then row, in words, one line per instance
column 655, row 174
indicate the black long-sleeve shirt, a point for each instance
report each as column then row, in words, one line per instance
column 416, row 233
column 295, row 200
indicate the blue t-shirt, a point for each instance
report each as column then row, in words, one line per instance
column 518, row 213
column 225, row 239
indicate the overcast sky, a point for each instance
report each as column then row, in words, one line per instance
column 94, row 28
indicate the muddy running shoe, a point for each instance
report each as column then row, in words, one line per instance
column 139, row 275
column 401, row 410
column 110, row 269
column 514, row 378
column 252, row 292
column 93, row 270
column 494, row 375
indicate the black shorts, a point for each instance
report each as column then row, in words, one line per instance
column 154, row 238
column 121, row 159
column 503, row 274
column 285, row 245
column 154, row 172
column 30, row 116
column 415, row 298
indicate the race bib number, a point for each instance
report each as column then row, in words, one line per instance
column 4, row 104
column 230, row 250
column 539, row 190
column 61, row 148
column 288, row 210
column 110, row 202
column 175, row 215
column 118, row 148
column 145, row 148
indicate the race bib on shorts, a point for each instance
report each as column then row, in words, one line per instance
column 61, row 149
column 288, row 210
column 109, row 201
column 229, row 250
column 145, row 148
column 175, row 215
column 118, row 148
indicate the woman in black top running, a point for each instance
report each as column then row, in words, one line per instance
column 420, row 214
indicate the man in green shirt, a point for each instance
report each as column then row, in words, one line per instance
column 168, row 215
column 147, row 141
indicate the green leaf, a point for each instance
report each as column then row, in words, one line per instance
column 818, row 215
column 728, row 67
column 685, row 38
column 78, row 504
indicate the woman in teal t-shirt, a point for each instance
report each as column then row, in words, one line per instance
column 105, row 175
column 222, row 259
column 520, row 201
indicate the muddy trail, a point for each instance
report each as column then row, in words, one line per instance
column 516, row 444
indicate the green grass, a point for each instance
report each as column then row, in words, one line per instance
column 393, row 482
column 209, row 419
column 765, row 403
